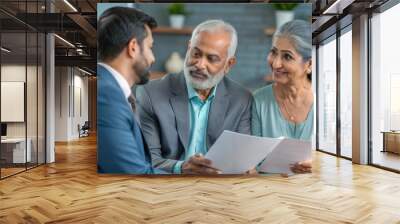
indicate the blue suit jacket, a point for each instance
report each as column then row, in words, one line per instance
column 120, row 145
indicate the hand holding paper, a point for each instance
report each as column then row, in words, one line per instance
column 197, row 164
column 235, row 153
column 302, row 167
column 286, row 155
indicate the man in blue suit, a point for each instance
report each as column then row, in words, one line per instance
column 124, row 50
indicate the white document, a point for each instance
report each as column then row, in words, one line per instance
column 235, row 153
column 285, row 154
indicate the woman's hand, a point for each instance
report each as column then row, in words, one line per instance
column 302, row 167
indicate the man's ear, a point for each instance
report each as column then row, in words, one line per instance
column 133, row 48
column 231, row 63
column 309, row 66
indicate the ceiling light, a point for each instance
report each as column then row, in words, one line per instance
column 333, row 6
column 70, row 5
column 337, row 7
column 79, row 51
column 86, row 72
column 64, row 40
column 5, row 50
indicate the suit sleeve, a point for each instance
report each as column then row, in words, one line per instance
column 245, row 120
column 151, row 131
column 120, row 148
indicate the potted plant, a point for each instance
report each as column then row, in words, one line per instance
column 177, row 14
column 284, row 13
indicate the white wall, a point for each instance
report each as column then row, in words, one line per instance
column 61, row 103
column 17, row 73
column 79, row 112
column 12, row 100
column 71, row 94
column 33, row 127
column 82, row 83
column 14, row 73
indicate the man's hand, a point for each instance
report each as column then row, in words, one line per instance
column 197, row 164
column 302, row 167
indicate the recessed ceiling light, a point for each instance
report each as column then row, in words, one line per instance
column 86, row 72
column 337, row 7
column 64, row 40
column 70, row 5
column 5, row 50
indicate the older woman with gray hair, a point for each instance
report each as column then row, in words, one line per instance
column 285, row 108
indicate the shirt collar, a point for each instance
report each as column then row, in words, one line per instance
column 122, row 82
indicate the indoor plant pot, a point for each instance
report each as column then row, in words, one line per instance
column 284, row 13
column 177, row 15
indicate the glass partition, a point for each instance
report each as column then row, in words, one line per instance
column 22, row 77
column 346, row 93
column 385, row 89
column 13, row 105
column 327, row 96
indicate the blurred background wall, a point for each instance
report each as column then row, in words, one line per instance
column 254, row 22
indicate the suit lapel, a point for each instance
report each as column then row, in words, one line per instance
column 216, row 115
column 103, row 70
column 179, row 103
column 137, row 131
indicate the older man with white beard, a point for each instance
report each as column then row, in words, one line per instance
column 182, row 115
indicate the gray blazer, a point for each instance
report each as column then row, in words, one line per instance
column 163, row 108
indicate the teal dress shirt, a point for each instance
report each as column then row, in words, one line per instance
column 268, row 121
column 198, row 110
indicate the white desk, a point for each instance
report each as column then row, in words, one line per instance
column 18, row 144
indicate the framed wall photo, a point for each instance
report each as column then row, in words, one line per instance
column 215, row 55
column 12, row 101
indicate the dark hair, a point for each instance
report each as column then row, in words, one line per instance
column 117, row 26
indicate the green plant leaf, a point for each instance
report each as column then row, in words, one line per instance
column 284, row 6
column 177, row 9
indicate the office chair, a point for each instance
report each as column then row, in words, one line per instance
column 84, row 130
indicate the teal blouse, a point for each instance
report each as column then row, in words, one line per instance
column 268, row 121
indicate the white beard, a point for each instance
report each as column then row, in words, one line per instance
column 210, row 82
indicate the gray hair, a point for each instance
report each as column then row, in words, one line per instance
column 299, row 33
column 216, row 25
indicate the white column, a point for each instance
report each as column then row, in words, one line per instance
column 50, row 110
column 314, row 88
column 360, row 90
column 63, row 102
column 50, row 92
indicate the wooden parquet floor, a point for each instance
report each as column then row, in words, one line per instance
column 70, row 191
